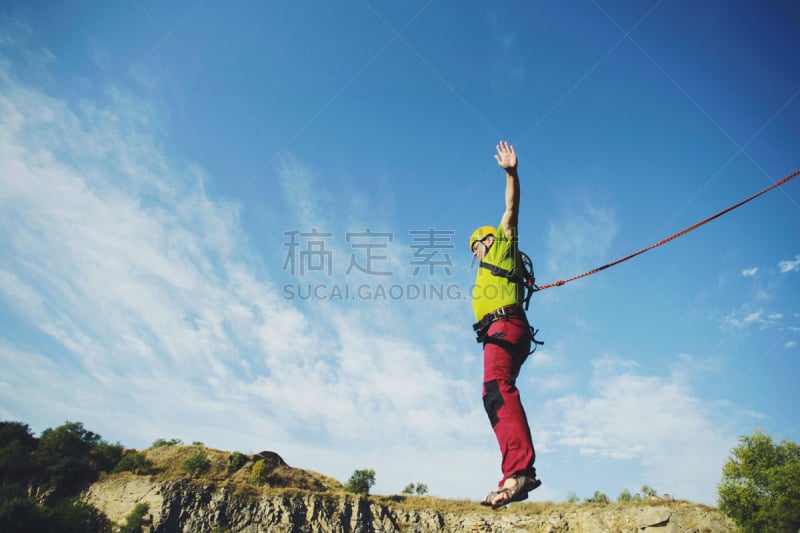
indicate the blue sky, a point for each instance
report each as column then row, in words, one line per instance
column 246, row 225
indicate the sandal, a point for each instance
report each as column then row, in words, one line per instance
column 522, row 487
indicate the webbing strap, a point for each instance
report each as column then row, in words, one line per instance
column 502, row 272
column 671, row 237
column 527, row 288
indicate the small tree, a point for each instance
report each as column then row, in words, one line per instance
column 760, row 488
column 649, row 492
column 597, row 497
column 196, row 464
column 360, row 482
column 258, row 474
column 135, row 521
column 70, row 455
column 420, row 489
column 158, row 443
column 134, row 462
column 71, row 516
column 236, row 460
column 572, row 497
column 17, row 445
column 625, row 496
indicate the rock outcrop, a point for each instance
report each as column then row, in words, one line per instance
column 196, row 506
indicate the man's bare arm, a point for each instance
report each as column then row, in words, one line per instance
column 507, row 159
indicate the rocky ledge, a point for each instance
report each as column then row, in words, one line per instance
column 186, row 505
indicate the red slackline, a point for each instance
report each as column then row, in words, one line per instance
column 671, row 237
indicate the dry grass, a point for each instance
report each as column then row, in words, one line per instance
column 465, row 506
column 286, row 480
column 168, row 465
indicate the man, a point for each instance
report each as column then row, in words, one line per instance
column 503, row 328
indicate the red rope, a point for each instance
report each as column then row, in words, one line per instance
column 671, row 237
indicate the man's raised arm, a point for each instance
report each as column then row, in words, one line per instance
column 507, row 159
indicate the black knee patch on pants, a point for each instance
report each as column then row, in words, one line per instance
column 492, row 401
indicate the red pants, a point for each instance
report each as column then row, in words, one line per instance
column 503, row 355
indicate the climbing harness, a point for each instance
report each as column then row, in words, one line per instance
column 515, row 310
column 526, row 279
column 670, row 238
column 526, row 283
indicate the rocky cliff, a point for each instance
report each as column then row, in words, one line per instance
column 219, row 503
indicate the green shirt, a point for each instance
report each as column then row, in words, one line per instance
column 493, row 292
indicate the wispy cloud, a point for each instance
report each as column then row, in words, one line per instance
column 654, row 420
column 790, row 265
column 139, row 284
column 749, row 272
column 745, row 316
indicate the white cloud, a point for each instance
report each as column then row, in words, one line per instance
column 154, row 323
column 653, row 420
column 745, row 317
column 749, row 272
column 789, row 265
column 789, row 344
column 755, row 316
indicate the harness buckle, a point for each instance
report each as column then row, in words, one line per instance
column 481, row 327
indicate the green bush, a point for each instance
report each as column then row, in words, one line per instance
column 17, row 444
column 75, row 516
column 258, row 474
column 649, row 492
column 420, row 489
column 62, row 459
column 760, row 488
column 159, row 443
column 134, row 462
column 236, row 460
column 597, row 497
column 136, row 520
column 196, row 464
column 360, row 482
column 66, row 516
column 71, row 455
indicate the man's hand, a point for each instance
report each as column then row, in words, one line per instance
column 506, row 157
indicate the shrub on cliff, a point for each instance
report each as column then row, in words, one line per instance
column 420, row 489
column 760, row 488
column 56, row 464
column 65, row 516
column 159, row 443
column 136, row 520
column 236, row 460
column 134, row 462
column 597, row 497
column 258, row 474
column 71, row 455
column 360, row 482
column 196, row 463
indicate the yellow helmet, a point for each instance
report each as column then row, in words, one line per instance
column 480, row 234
